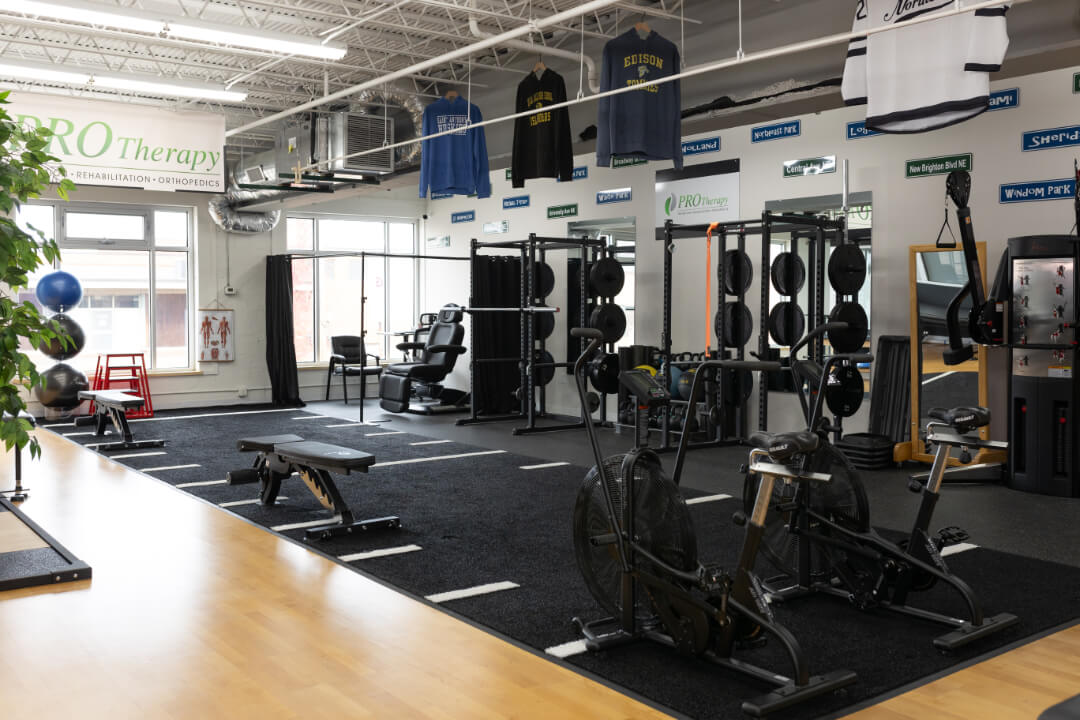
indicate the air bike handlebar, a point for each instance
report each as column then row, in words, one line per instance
column 816, row 333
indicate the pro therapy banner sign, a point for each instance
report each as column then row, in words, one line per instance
column 120, row 145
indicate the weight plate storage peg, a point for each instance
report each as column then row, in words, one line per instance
column 545, row 373
column 609, row 319
column 545, row 324
column 786, row 323
column 852, row 338
column 788, row 273
column 738, row 324
column 847, row 269
column 844, row 390
column 604, row 373
column 738, row 272
column 606, row 277
column 543, row 279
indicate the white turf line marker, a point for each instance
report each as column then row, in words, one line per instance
column 252, row 501
column 140, row 454
column 201, row 483
column 431, row 442
column 383, row 552
column 221, row 414
column 308, row 524
column 707, row 498
column 348, row 424
column 310, row 417
column 957, row 548
column 437, row 457
column 939, row 377
column 471, row 592
column 169, row 467
column 78, row 434
column 574, row 647
column 388, row 432
column 541, row 466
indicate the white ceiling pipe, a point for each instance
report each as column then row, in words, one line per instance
column 702, row 69
column 466, row 51
column 594, row 77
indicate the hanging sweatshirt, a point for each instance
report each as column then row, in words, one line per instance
column 926, row 76
column 456, row 163
column 542, row 144
column 647, row 123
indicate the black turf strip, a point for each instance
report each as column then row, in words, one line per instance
column 481, row 519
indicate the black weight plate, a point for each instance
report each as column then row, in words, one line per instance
column 847, row 269
column 606, row 278
column 786, row 323
column 609, row 319
column 738, row 272
column 738, row 384
column 604, row 373
column 545, row 324
column 844, row 391
column 738, row 324
column 851, row 339
column 543, row 280
column 543, row 375
column 788, row 273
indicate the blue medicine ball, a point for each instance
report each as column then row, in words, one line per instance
column 59, row 291
column 674, row 373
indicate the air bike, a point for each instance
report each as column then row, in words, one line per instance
column 821, row 539
column 636, row 548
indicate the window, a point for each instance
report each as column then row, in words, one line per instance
column 134, row 264
column 326, row 287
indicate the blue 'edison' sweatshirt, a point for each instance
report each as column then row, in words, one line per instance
column 646, row 124
column 455, row 163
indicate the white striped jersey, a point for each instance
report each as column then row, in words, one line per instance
column 925, row 76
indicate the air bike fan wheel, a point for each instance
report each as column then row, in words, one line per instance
column 661, row 520
column 842, row 500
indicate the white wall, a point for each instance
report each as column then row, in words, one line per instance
column 906, row 211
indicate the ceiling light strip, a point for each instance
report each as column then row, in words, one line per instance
column 93, row 81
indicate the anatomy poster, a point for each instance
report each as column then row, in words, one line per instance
column 215, row 336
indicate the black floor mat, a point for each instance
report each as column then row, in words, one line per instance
column 48, row 564
column 480, row 518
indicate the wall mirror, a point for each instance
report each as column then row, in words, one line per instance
column 798, row 242
column 621, row 236
column 936, row 275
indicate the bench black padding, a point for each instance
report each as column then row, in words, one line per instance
column 113, row 405
column 281, row 456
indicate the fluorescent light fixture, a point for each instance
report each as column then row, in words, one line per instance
column 179, row 27
column 147, row 86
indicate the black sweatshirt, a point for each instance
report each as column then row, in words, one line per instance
column 542, row 141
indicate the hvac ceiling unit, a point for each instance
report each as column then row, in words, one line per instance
column 257, row 169
column 302, row 142
column 352, row 133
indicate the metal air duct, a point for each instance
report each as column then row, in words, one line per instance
column 226, row 213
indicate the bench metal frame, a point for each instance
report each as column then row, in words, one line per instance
column 105, row 411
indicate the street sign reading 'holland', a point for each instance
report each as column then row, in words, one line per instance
column 763, row 133
column 1063, row 189
column 705, row 145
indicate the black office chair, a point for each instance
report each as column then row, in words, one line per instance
column 422, row 378
column 349, row 359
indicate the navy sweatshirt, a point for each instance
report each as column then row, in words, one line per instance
column 647, row 123
column 542, row 143
column 455, row 163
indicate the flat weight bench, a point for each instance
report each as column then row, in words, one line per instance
column 280, row 456
column 113, row 405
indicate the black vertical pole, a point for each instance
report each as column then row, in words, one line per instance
column 740, row 353
column 532, row 323
column 528, row 397
column 763, row 332
column 665, row 334
column 472, row 329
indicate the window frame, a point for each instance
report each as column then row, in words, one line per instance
column 60, row 211
column 316, row 254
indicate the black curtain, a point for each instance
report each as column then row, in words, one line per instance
column 280, row 351
column 497, row 283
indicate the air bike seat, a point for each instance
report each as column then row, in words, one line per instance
column 281, row 456
column 963, row 419
column 783, row 446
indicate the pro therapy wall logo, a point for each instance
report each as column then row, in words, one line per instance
column 692, row 203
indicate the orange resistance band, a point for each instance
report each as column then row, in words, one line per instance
column 708, row 288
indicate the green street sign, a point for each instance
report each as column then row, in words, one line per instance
column 925, row 167
column 562, row 211
column 810, row 166
column 1076, row 83
column 620, row 162
column 509, row 175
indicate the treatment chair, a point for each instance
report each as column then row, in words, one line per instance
column 401, row 383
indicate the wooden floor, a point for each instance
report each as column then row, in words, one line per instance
column 193, row 613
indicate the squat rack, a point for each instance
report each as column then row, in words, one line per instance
column 532, row 252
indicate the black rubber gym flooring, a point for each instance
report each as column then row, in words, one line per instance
column 481, row 519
